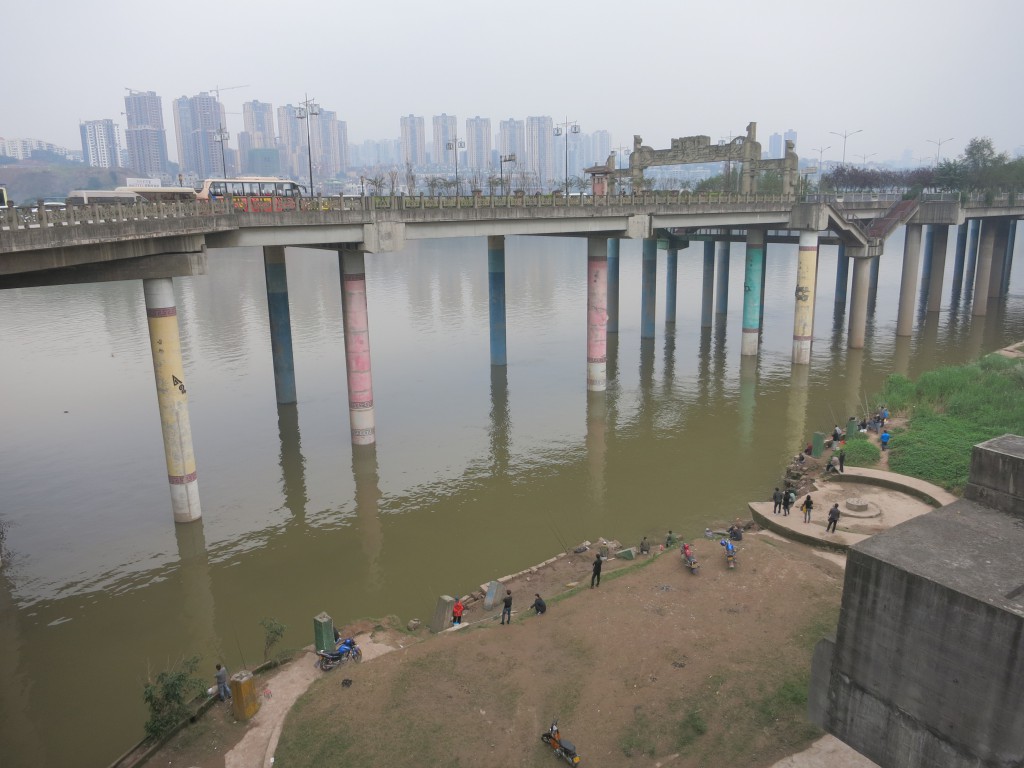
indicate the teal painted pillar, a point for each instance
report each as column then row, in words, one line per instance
column 722, row 289
column 280, row 323
column 842, row 276
column 708, row 286
column 613, row 285
column 764, row 279
column 752, row 282
column 496, row 297
column 671, row 269
column 648, row 287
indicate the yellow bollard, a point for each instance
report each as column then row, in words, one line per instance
column 245, row 700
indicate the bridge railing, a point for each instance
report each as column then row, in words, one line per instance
column 109, row 213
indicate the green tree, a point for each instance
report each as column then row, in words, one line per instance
column 168, row 697
column 273, row 631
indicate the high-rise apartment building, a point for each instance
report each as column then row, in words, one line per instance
column 512, row 139
column 258, row 118
column 292, row 141
column 478, row 143
column 100, row 145
column 775, row 146
column 600, row 148
column 414, row 142
column 145, row 134
column 539, row 160
column 789, row 135
column 446, row 131
column 197, row 120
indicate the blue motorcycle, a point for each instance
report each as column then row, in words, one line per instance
column 347, row 649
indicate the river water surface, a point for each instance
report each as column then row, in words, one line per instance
column 478, row 472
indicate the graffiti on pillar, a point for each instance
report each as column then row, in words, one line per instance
column 178, row 383
column 803, row 293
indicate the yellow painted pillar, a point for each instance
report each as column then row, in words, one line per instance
column 803, row 314
column 172, row 398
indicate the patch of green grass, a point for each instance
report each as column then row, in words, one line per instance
column 639, row 737
column 689, row 729
column 861, row 452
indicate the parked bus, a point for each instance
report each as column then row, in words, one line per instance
column 256, row 194
column 162, row 194
column 102, row 196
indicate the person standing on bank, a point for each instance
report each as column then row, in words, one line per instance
column 788, row 500
column 223, row 691
column 807, row 507
column 833, row 518
column 457, row 611
column 777, row 500
column 595, row 579
column 506, row 607
column 884, row 439
column 539, row 605
column 842, row 460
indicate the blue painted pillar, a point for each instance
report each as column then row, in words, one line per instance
column 280, row 323
column 613, row 285
column 764, row 280
column 722, row 290
column 708, row 292
column 842, row 276
column 671, row 269
column 1008, row 261
column 958, row 261
column 496, row 297
column 648, row 287
column 752, row 281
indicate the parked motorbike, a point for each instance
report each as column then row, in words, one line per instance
column 562, row 747
column 730, row 552
column 346, row 650
column 689, row 560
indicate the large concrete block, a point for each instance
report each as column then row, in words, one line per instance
column 245, row 699
column 323, row 632
column 493, row 593
column 997, row 474
column 442, row 618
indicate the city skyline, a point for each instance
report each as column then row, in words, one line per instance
column 780, row 66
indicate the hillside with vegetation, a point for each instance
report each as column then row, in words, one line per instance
column 30, row 180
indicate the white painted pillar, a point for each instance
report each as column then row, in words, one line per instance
column 803, row 313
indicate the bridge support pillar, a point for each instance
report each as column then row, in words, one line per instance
column 859, row 303
column 671, row 272
column 959, row 257
column 973, row 244
column 941, row 241
column 280, row 323
column 764, row 280
column 597, row 313
column 876, row 262
column 172, row 398
column 842, row 276
column 926, row 266
column 613, row 285
column 979, row 305
column 722, row 290
column 752, row 282
column 496, row 297
column 995, row 282
column 908, row 283
column 1008, row 261
column 356, row 326
column 803, row 314
column 708, row 285
column 648, row 287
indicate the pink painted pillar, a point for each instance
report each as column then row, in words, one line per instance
column 356, row 325
column 597, row 313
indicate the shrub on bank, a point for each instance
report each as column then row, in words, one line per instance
column 861, row 452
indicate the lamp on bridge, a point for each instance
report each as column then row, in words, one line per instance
column 308, row 109
column 569, row 126
column 845, row 135
column 509, row 158
column 864, row 158
column 221, row 135
column 456, row 144
column 821, row 151
column 619, row 153
column 938, row 147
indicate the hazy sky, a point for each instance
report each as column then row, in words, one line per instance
column 904, row 71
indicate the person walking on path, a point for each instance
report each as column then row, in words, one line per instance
column 833, row 518
column 777, row 500
column 506, row 609
column 595, row 579
column 842, row 460
column 884, row 439
column 788, row 500
column 457, row 611
column 223, row 691
column 539, row 605
column 806, row 507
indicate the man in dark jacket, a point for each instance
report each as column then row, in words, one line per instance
column 595, row 579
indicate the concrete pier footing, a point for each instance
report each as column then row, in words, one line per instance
column 597, row 313
column 496, row 297
column 280, row 323
column 356, row 322
column 908, row 282
column 172, row 398
column 803, row 313
column 752, row 282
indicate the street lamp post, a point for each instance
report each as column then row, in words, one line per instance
column 845, row 135
column 938, row 147
column 457, row 144
column 569, row 126
column 509, row 158
column 221, row 135
column 821, row 152
column 864, row 158
column 308, row 109
column 619, row 152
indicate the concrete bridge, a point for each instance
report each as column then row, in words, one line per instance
column 156, row 242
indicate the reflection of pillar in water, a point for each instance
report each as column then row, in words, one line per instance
column 722, row 289
column 704, row 365
column 197, row 612
column 646, row 378
column 854, row 398
column 648, row 287
column 172, row 398
column 496, row 297
column 23, row 743
column 708, row 285
column 280, row 322
column 979, row 304
column 941, row 233
column 613, row 285
column 597, row 444
column 356, row 323
column 293, row 463
column 842, row 276
column 500, row 426
column 721, row 325
column 752, row 280
column 901, row 356
column 803, row 313
column 367, row 479
column 669, row 373
column 671, row 271
column 597, row 313
column 975, row 338
column 796, row 411
column 929, row 332
column 958, row 262
column 908, row 282
column 748, row 393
